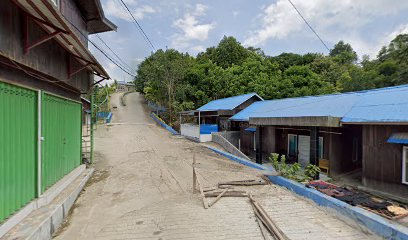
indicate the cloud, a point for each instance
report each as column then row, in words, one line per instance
column 115, row 9
column 198, row 48
column 333, row 20
column 190, row 28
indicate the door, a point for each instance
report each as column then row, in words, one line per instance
column 18, row 147
column 61, row 147
column 304, row 150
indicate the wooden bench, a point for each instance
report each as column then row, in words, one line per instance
column 324, row 165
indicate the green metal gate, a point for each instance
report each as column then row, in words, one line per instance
column 18, row 147
column 61, row 131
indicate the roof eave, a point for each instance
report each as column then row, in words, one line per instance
column 307, row 121
column 374, row 123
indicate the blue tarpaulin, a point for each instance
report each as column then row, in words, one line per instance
column 208, row 128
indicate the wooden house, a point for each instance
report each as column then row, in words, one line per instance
column 359, row 135
column 45, row 66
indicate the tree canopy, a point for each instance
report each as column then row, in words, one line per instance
column 180, row 82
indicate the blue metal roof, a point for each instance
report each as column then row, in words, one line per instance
column 250, row 129
column 380, row 105
column 227, row 103
column 377, row 105
column 401, row 138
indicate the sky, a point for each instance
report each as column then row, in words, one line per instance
column 274, row 26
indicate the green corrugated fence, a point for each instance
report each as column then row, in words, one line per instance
column 61, row 145
column 18, row 147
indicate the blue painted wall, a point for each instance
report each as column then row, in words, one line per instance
column 163, row 124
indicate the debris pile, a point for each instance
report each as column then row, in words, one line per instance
column 268, row 227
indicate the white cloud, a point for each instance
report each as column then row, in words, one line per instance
column 190, row 28
column 115, row 9
column 333, row 20
column 198, row 48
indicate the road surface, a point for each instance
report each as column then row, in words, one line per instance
column 142, row 189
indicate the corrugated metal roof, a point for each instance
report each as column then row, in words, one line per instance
column 380, row 105
column 227, row 103
column 250, row 129
column 401, row 138
column 125, row 83
column 377, row 105
column 335, row 105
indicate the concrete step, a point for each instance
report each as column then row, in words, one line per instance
column 43, row 222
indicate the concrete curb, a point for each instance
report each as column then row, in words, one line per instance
column 238, row 159
column 123, row 98
column 377, row 224
column 46, row 198
column 45, row 221
column 163, row 124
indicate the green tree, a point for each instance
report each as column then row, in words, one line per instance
column 343, row 53
column 229, row 52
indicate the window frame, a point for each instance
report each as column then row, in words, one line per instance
column 297, row 144
column 404, row 165
column 321, row 148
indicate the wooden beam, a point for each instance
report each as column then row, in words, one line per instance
column 217, row 198
column 205, row 203
column 310, row 121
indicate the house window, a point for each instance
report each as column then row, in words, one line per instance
column 254, row 141
column 355, row 150
column 320, row 147
column 405, row 165
column 292, row 145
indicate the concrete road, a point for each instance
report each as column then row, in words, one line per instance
column 142, row 189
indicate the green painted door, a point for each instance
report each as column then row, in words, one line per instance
column 18, row 148
column 61, row 146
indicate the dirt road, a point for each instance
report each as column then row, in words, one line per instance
column 142, row 189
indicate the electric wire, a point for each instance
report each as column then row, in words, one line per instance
column 124, row 64
column 138, row 25
column 102, row 51
column 311, row 28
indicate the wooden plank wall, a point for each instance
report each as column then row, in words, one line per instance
column 382, row 161
column 71, row 12
column 49, row 57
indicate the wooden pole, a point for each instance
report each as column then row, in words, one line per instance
column 200, row 186
column 194, row 175
column 266, row 219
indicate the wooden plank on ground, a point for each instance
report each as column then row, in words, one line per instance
column 205, row 203
column 270, row 225
column 217, row 198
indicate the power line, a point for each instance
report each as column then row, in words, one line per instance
column 103, row 52
column 120, row 59
column 311, row 28
column 138, row 25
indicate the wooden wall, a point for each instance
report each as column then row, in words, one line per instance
column 246, row 104
column 71, row 12
column 49, row 58
column 337, row 145
column 246, row 140
column 382, row 161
